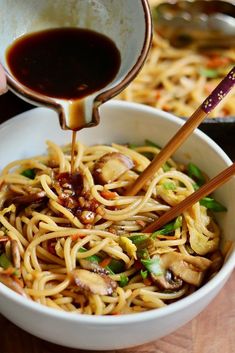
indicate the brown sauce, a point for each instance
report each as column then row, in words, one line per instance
column 65, row 63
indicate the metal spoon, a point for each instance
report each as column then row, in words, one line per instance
column 200, row 23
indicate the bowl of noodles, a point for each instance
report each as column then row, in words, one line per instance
column 75, row 261
column 178, row 80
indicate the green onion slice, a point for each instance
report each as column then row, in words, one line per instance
column 168, row 228
column 212, row 204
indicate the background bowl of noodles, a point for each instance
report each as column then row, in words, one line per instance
column 177, row 80
column 24, row 136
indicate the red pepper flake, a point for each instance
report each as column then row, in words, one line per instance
column 77, row 236
column 147, row 281
column 105, row 262
column 158, row 93
column 217, row 61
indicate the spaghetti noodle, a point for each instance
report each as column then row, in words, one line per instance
column 179, row 80
column 74, row 243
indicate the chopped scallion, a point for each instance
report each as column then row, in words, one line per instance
column 144, row 274
column 212, row 204
column 4, row 261
column 166, row 167
column 209, row 73
column 137, row 239
column 93, row 258
column 195, row 173
column 168, row 228
column 169, row 186
column 151, row 144
column 115, row 266
column 153, row 266
column 29, row 173
column 123, row 281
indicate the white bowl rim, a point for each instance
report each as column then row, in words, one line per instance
column 179, row 305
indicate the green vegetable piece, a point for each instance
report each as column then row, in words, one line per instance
column 151, row 144
column 144, row 274
column 212, row 204
column 168, row 228
column 195, row 173
column 29, row 173
column 166, row 167
column 123, row 281
column 196, row 186
column 132, row 146
column 169, row 186
column 142, row 253
column 148, row 155
column 115, row 266
column 93, row 258
column 4, row 261
column 137, row 239
column 209, row 73
column 153, row 266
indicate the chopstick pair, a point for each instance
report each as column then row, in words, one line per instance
column 205, row 190
column 176, row 141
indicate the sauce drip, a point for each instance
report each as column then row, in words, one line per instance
column 65, row 63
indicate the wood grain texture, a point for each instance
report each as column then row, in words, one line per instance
column 210, row 332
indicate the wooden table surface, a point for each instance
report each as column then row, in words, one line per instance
column 212, row 331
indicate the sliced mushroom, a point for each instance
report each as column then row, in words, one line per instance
column 217, row 261
column 92, row 266
column 93, row 282
column 27, row 199
column 15, row 253
column 167, row 281
column 177, row 267
column 190, row 269
column 111, row 166
column 12, row 284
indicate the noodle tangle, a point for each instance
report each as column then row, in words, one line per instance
column 75, row 243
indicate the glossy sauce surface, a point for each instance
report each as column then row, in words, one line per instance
column 66, row 63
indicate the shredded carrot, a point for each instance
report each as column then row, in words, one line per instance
column 217, row 62
column 166, row 108
column 4, row 239
column 105, row 262
column 77, row 236
column 108, row 195
column 9, row 271
column 158, row 93
column 147, row 281
column 19, row 281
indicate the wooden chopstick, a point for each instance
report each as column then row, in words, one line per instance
column 205, row 190
column 191, row 124
column 194, row 121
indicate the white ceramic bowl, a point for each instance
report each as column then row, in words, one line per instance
column 122, row 122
